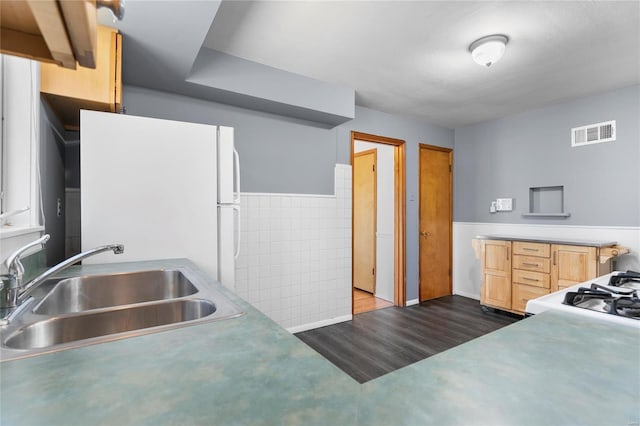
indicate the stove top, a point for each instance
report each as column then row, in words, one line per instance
column 613, row 297
column 606, row 299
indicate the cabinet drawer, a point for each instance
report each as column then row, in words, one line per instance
column 521, row 294
column 537, row 279
column 531, row 249
column 531, row 263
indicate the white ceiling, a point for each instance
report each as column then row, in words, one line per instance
column 411, row 58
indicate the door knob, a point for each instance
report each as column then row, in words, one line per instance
column 425, row 234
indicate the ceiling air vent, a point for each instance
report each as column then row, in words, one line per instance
column 593, row 133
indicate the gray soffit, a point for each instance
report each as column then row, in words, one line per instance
column 162, row 50
column 253, row 85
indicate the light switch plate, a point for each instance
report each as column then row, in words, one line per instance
column 504, row 204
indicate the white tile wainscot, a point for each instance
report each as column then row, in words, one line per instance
column 295, row 255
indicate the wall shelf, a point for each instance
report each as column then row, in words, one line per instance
column 546, row 214
column 546, row 201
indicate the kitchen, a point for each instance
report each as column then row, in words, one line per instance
column 486, row 160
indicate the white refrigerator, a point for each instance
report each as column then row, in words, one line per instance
column 164, row 189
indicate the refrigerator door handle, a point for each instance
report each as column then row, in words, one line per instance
column 236, row 162
column 237, row 228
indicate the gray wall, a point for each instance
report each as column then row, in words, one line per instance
column 283, row 155
column 277, row 154
column 72, row 165
column 52, row 178
column 503, row 158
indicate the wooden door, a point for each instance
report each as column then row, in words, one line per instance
column 496, row 274
column 435, row 225
column 364, row 220
column 572, row 265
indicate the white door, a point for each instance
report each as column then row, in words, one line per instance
column 151, row 185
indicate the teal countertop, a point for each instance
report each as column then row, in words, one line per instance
column 548, row 369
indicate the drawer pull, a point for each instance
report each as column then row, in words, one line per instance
column 529, row 249
column 530, row 264
column 530, row 279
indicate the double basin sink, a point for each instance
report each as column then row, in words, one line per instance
column 85, row 310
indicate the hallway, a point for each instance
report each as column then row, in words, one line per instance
column 365, row 302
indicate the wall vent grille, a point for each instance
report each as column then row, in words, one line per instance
column 593, row 133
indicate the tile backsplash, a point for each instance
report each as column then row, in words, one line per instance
column 34, row 264
column 295, row 254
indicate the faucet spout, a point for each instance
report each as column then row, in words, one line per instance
column 35, row 283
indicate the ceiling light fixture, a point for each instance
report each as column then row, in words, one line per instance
column 488, row 50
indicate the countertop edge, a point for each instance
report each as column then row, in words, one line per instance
column 586, row 243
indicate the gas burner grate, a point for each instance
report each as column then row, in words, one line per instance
column 624, row 277
column 624, row 306
column 600, row 299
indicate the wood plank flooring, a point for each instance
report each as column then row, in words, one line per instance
column 365, row 302
column 378, row 342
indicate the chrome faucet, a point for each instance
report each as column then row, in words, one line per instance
column 13, row 293
column 11, row 281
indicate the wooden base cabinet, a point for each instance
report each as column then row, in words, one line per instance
column 514, row 272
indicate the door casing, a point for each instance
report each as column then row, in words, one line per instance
column 399, row 212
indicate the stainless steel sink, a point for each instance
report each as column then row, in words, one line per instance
column 92, row 309
column 55, row 331
column 101, row 291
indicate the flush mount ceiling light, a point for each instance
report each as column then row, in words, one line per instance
column 488, row 50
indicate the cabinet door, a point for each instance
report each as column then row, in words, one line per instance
column 496, row 274
column 100, row 89
column 572, row 265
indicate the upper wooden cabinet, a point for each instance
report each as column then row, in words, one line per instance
column 68, row 91
column 53, row 31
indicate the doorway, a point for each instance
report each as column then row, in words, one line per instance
column 435, row 221
column 378, row 222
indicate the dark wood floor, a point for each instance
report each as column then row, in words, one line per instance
column 379, row 342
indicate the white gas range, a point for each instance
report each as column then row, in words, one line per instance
column 612, row 297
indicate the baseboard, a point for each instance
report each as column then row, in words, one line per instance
column 318, row 324
column 412, row 302
column 467, row 294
